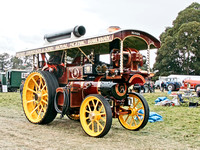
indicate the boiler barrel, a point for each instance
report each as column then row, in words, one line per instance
column 78, row 31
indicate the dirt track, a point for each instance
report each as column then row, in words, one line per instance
column 17, row 133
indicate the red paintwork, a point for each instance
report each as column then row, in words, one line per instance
column 80, row 89
column 75, row 73
column 72, row 74
column 136, row 78
column 64, row 78
column 136, row 58
column 147, row 37
column 193, row 84
column 79, row 84
column 43, row 58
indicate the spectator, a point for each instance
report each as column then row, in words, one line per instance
column 0, row 86
column 162, row 86
column 137, row 88
column 143, row 88
column 198, row 91
column 188, row 86
column 152, row 87
column 21, row 87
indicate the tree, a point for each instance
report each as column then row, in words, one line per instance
column 16, row 63
column 188, row 40
column 4, row 61
column 28, row 60
column 12, row 62
column 180, row 49
column 24, row 63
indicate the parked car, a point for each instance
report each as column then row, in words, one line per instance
column 193, row 84
column 172, row 84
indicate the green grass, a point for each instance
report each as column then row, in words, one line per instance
column 181, row 123
column 10, row 100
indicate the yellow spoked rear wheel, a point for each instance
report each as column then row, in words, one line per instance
column 138, row 114
column 95, row 115
column 38, row 95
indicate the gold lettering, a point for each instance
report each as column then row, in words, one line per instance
column 71, row 44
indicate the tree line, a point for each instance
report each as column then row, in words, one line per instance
column 8, row 61
column 179, row 52
column 180, row 45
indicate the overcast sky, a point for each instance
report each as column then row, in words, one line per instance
column 24, row 22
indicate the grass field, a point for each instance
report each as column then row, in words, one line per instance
column 179, row 130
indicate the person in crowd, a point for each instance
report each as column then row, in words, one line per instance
column 152, row 88
column 0, row 86
column 162, row 86
column 198, row 91
column 21, row 87
column 143, row 88
column 188, row 86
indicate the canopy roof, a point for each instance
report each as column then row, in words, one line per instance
column 131, row 38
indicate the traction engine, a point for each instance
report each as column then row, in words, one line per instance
column 70, row 78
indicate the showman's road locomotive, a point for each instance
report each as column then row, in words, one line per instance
column 88, row 79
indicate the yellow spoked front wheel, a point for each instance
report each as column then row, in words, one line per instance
column 138, row 112
column 38, row 95
column 95, row 115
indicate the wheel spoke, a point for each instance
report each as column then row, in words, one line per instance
column 127, row 118
column 93, row 103
column 138, row 118
column 140, row 108
column 46, row 94
column 39, row 113
column 38, row 109
column 44, row 110
column 131, row 121
column 95, row 115
column 99, row 124
column 87, row 111
column 43, row 87
column 36, row 101
column 133, row 102
column 140, row 114
column 34, row 109
column 41, row 83
column 96, row 105
column 31, row 90
column 35, row 82
column 103, row 119
column 44, row 101
column 41, row 104
column 93, row 126
column 89, row 124
column 101, row 108
column 89, row 107
column 30, row 101
column 135, row 122
column 137, row 103
column 102, row 114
